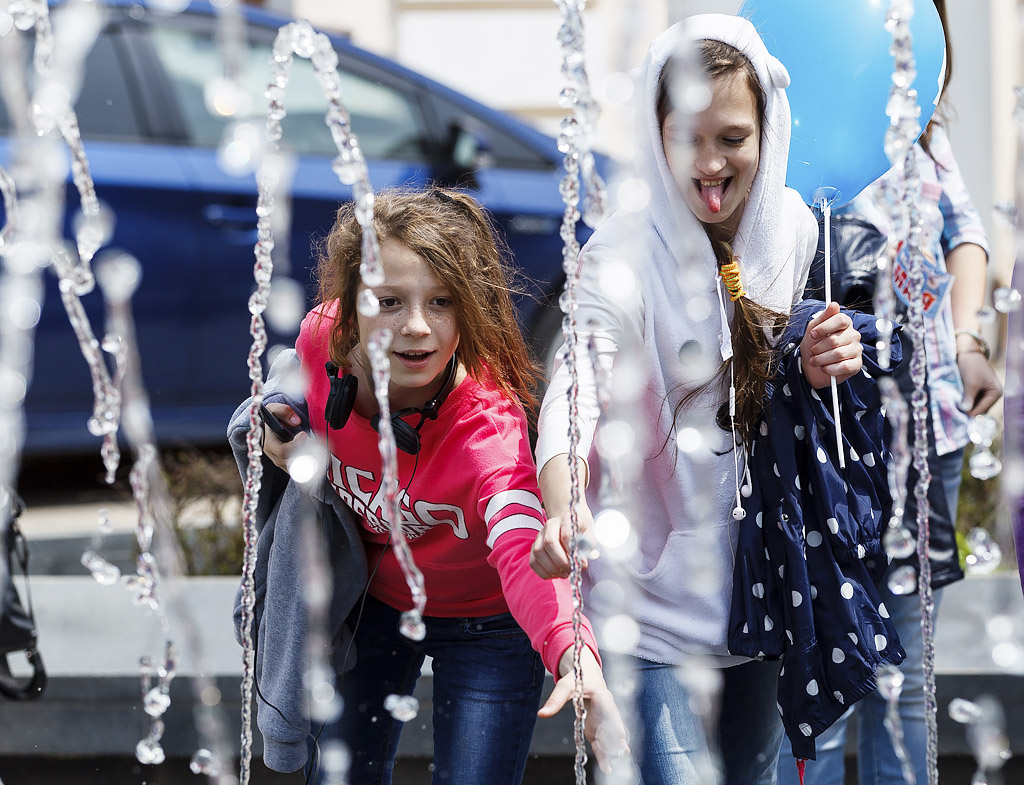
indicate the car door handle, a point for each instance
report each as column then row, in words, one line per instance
column 232, row 216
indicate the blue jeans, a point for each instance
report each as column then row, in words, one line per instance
column 673, row 748
column 877, row 763
column 487, row 688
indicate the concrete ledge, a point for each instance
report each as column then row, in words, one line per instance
column 91, row 638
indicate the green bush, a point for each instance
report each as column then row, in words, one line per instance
column 205, row 492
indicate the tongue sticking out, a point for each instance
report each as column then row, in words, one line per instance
column 712, row 196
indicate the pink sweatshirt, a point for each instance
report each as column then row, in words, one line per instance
column 471, row 507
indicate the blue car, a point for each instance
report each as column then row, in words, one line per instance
column 152, row 147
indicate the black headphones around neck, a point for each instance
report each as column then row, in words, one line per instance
column 342, row 398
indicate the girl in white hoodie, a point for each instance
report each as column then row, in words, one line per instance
column 721, row 222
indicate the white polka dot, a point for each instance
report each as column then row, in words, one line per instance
column 833, row 525
column 786, row 391
column 758, row 520
column 861, row 553
column 746, row 628
column 805, row 729
column 799, row 431
column 838, row 655
column 881, row 642
column 814, row 539
column 812, row 687
column 853, row 637
column 798, row 599
column 846, row 590
column 796, row 481
column 814, row 592
column 767, row 556
column 822, row 457
column 782, row 570
column 758, row 590
column 775, row 468
column 789, row 635
column 860, row 414
column 853, row 455
column 869, row 459
column 839, row 697
column 764, row 428
column 814, row 394
column 883, row 611
column 768, row 623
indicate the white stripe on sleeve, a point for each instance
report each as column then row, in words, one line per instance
column 521, row 521
column 503, row 499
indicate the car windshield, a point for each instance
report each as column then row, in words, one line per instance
column 386, row 121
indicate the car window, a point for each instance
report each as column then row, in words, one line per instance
column 502, row 149
column 104, row 106
column 388, row 124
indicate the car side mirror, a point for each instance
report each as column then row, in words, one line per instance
column 466, row 151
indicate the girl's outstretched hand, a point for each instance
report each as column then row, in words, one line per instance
column 830, row 348
column 549, row 556
column 604, row 728
column 277, row 451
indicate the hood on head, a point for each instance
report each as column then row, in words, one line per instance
column 757, row 245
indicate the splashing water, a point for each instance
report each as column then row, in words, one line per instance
column 573, row 142
column 403, row 708
column 903, row 580
column 105, row 573
column 984, row 553
column 908, row 226
column 983, row 463
column 890, row 685
column 377, row 348
column 295, row 39
column 205, row 762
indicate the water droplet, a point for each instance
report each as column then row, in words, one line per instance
column 286, row 305
column 205, row 762
column 105, row 573
column 899, row 543
column 890, row 682
column 982, row 429
column 226, row 97
column 963, row 711
column 984, row 552
column 304, row 39
column 119, row 275
column 149, row 751
column 412, row 626
column 984, row 465
column 368, row 304
column 93, row 230
column 104, row 520
column 347, row 168
column 1006, row 299
column 156, row 702
column 402, row 707
column 903, row 580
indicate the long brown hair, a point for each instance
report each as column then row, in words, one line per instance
column 455, row 237
column 752, row 351
column 942, row 111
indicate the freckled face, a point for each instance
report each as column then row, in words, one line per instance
column 726, row 144
column 419, row 311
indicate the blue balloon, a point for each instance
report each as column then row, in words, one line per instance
column 837, row 55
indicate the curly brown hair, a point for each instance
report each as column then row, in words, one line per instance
column 457, row 239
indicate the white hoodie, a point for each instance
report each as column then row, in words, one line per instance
column 683, row 501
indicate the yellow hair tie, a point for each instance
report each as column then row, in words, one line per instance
column 731, row 276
